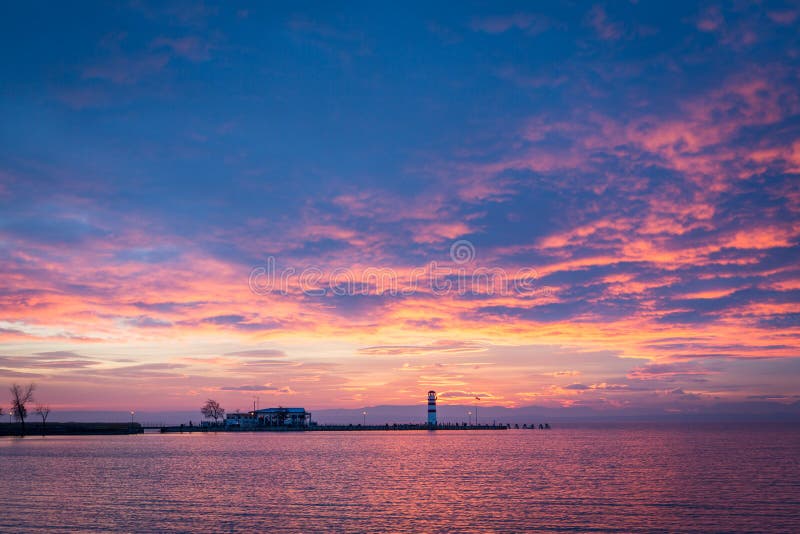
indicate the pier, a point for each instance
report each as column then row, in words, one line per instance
column 276, row 419
column 85, row 429
column 70, row 429
column 297, row 419
column 330, row 428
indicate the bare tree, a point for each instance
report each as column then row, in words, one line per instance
column 19, row 398
column 212, row 410
column 43, row 411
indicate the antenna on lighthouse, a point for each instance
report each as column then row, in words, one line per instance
column 432, row 408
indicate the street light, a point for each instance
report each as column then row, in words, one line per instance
column 365, row 417
column 469, row 417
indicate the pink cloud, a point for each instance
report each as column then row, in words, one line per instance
column 711, row 19
column 605, row 28
column 190, row 47
column 127, row 70
column 784, row 17
column 531, row 23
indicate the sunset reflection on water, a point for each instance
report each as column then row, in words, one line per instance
column 624, row 478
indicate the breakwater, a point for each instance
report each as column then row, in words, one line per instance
column 70, row 429
column 88, row 429
column 329, row 428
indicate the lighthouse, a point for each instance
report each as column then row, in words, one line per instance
column 431, row 408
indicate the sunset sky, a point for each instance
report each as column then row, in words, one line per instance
column 631, row 168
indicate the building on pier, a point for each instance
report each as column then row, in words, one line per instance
column 269, row 417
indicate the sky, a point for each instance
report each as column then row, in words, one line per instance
column 336, row 205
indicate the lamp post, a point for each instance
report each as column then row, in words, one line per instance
column 469, row 418
column 365, row 417
column 130, row 429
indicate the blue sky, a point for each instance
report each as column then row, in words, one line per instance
column 641, row 158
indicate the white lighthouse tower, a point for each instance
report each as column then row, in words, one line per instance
column 431, row 408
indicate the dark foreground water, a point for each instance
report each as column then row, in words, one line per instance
column 626, row 478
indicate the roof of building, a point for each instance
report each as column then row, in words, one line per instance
column 275, row 410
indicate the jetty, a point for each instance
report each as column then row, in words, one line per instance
column 279, row 419
column 70, row 429
column 298, row 419
column 326, row 428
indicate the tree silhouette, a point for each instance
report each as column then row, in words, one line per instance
column 43, row 411
column 212, row 410
column 19, row 398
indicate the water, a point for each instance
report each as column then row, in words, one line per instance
column 626, row 478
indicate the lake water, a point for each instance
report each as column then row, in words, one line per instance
column 627, row 478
